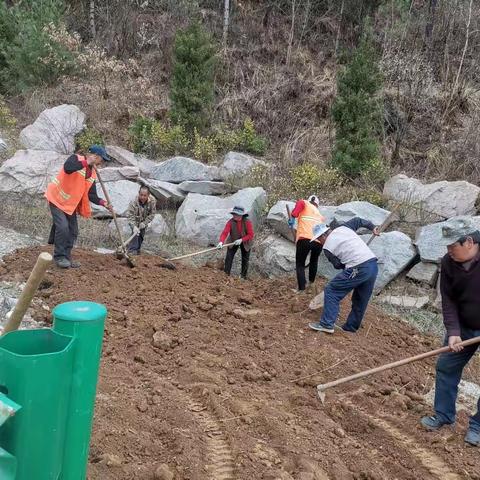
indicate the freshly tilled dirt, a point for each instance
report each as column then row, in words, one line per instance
column 209, row 377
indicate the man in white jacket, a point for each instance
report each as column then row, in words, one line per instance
column 346, row 251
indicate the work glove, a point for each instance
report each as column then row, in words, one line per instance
column 136, row 230
column 142, row 226
column 291, row 222
column 219, row 245
column 238, row 242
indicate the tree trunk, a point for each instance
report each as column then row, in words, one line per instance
column 431, row 21
column 226, row 22
column 93, row 29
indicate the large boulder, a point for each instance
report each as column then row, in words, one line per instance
column 276, row 256
column 205, row 187
column 428, row 238
column 121, row 193
column 54, row 130
column 127, row 158
column 165, row 192
column 157, row 229
column 443, row 199
column 201, row 218
column 365, row 210
column 395, row 251
column 181, row 169
column 113, row 174
column 239, row 164
column 277, row 218
column 10, row 240
column 28, row 172
column 424, row 272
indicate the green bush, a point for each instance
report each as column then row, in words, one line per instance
column 140, row 133
column 357, row 113
column 308, row 179
column 249, row 140
column 169, row 140
column 205, row 148
column 7, row 120
column 192, row 85
column 29, row 55
column 87, row 137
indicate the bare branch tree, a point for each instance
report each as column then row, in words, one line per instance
column 292, row 33
column 226, row 22
column 93, row 29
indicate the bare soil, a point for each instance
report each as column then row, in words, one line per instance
column 215, row 378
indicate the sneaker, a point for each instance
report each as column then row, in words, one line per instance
column 319, row 328
column 63, row 263
column 74, row 264
column 432, row 423
column 472, row 437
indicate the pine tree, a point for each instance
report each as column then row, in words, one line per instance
column 357, row 112
column 192, row 86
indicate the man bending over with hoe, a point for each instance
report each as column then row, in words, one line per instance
column 71, row 192
column 346, row 251
column 460, row 291
column 239, row 231
column 140, row 214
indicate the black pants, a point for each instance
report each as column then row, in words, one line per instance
column 136, row 244
column 229, row 259
column 303, row 248
column 63, row 234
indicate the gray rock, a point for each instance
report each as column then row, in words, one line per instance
column 54, row 130
column 127, row 158
column 164, row 191
column 157, row 229
column 467, row 398
column 277, row 218
column 445, row 199
column 201, row 218
column 239, row 164
column 204, row 187
column 365, row 210
column 10, row 240
column 28, row 172
column 277, row 256
column 181, row 169
column 121, row 193
column 428, row 238
column 395, row 251
column 113, row 174
column 405, row 301
column 3, row 145
column 424, row 273
column 317, row 302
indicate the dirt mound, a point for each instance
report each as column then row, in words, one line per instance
column 209, row 377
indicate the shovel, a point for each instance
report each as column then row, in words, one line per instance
column 122, row 249
column 321, row 388
column 201, row 251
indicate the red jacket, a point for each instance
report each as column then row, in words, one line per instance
column 248, row 237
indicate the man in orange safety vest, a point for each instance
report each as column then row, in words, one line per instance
column 69, row 193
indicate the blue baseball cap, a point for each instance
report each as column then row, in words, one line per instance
column 100, row 151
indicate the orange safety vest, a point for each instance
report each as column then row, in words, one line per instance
column 69, row 192
column 307, row 219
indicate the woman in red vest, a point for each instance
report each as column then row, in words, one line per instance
column 69, row 193
column 238, row 230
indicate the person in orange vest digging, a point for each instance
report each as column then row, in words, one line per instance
column 71, row 192
column 307, row 214
column 238, row 230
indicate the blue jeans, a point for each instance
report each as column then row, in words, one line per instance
column 360, row 279
column 136, row 243
column 449, row 372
